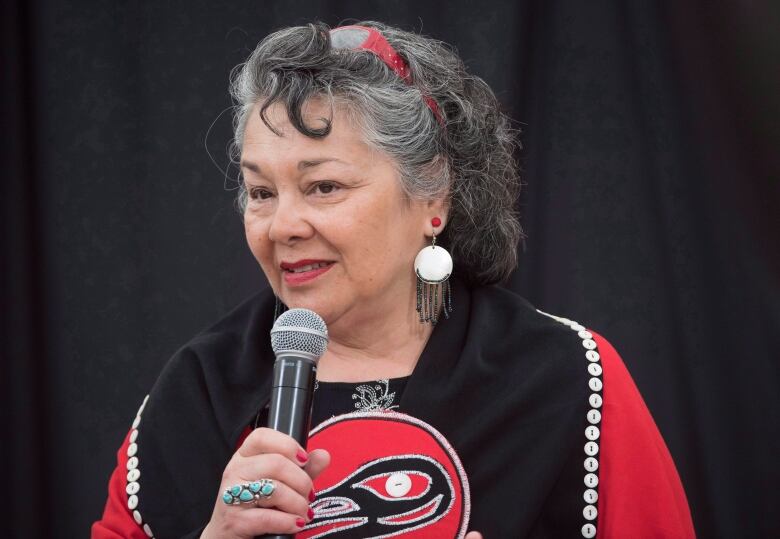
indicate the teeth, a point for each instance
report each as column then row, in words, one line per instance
column 309, row 267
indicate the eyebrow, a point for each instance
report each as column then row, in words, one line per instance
column 302, row 165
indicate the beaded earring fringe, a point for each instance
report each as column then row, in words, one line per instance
column 431, row 297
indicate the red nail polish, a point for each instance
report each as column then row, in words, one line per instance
column 300, row 522
column 301, row 456
column 310, row 513
column 312, row 495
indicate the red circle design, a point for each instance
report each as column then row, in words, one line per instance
column 368, row 449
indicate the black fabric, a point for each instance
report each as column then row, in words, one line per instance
column 504, row 384
column 650, row 133
column 336, row 398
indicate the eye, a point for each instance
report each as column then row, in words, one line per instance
column 406, row 485
column 260, row 193
column 324, row 188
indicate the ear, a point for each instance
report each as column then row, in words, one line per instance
column 437, row 207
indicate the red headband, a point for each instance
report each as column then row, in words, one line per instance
column 363, row 37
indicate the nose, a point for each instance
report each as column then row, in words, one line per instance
column 289, row 223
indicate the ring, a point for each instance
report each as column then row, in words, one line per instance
column 249, row 492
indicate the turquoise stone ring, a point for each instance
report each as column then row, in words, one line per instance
column 248, row 492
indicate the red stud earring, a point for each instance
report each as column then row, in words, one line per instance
column 436, row 222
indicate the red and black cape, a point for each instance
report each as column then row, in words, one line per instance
column 510, row 388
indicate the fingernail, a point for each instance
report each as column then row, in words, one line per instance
column 310, row 513
column 312, row 495
column 300, row 522
column 301, row 456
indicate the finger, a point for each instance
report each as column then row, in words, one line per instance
column 319, row 459
column 257, row 521
column 264, row 440
column 473, row 535
column 271, row 466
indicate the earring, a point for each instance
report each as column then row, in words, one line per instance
column 433, row 266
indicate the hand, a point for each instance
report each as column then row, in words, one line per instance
column 267, row 454
column 473, row 535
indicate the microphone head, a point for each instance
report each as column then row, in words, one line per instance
column 299, row 332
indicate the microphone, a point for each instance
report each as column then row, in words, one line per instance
column 299, row 337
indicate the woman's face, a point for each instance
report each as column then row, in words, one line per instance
column 327, row 219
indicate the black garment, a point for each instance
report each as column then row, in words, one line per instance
column 336, row 398
column 504, row 384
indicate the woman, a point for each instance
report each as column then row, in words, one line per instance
column 360, row 148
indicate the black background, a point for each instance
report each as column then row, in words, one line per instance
column 650, row 134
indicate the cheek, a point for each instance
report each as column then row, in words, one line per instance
column 382, row 253
column 257, row 238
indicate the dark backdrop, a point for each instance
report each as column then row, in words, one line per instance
column 650, row 134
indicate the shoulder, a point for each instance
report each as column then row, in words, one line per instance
column 501, row 311
column 204, row 397
column 226, row 346
column 221, row 373
column 510, row 327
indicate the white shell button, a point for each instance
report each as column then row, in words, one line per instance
column 595, row 400
column 591, row 480
column 398, row 484
column 591, row 464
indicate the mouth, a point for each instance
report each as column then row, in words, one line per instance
column 304, row 270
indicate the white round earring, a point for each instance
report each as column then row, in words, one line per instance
column 433, row 267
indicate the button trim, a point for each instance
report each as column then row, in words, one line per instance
column 133, row 485
column 593, row 419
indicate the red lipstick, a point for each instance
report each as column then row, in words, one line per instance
column 302, row 271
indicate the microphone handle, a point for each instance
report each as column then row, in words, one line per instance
column 291, row 401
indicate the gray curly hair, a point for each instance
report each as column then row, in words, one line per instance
column 470, row 159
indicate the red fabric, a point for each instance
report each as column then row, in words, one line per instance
column 117, row 521
column 640, row 493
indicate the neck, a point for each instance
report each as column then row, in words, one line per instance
column 385, row 345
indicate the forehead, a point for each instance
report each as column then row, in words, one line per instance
column 345, row 140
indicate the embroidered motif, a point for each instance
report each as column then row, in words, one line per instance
column 374, row 396
column 392, row 475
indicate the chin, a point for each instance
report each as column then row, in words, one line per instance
column 326, row 310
